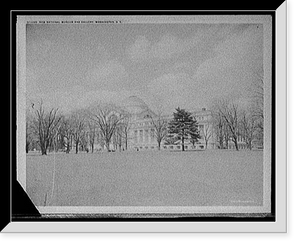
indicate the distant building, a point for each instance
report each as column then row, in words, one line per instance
column 142, row 131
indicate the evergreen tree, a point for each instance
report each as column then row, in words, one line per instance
column 183, row 125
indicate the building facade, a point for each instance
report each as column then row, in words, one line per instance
column 142, row 135
column 142, row 131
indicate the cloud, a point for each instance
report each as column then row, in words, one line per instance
column 31, row 81
column 177, row 90
column 40, row 49
column 104, row 82
column 168, row 46
column 78, row 97
column 226, row 70
column 204, row 39
column 231, row 70
column 183, row 65
column 107, row 75
column 237, row 50
column 140, row 49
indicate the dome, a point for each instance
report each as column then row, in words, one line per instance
column 134, row 105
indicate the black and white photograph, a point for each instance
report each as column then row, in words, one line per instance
column 147, row 116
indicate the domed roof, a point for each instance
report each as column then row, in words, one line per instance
column 134, row 105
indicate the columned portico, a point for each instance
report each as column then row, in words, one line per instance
column 146, row 137
column 142, row 130
column 141, row 135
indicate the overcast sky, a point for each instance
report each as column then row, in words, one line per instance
column 185, row 65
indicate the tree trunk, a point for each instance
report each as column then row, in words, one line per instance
column 221, row 143
column 68, row 148
column 235, row 143
column 107, row 146
column 250, row 145
column 44, row 151
column 76, row 147
column 92, row 148
column 43, row 147
column 182, row 143
column 226, row 144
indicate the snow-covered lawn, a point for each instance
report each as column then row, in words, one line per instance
column 149, row 178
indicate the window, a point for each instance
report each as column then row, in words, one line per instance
column 141, row 136
column 146, row 136
column 135, row 136
column 152, row 135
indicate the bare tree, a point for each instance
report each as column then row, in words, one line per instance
column 160, row 125
column 218, row 124
column 55, row 143
column 121, row 134
column 124, row 129
column 257, row 108
column 107, row 118
column 207, row 134
column 248, row 127
column 77, row 123
column 229, row 112
column 45, row 124
column 66, row 132
column 117, row 138
column 227, row 135
column 91, row 133
column 84, row 141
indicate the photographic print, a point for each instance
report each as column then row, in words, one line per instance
column 136, row 117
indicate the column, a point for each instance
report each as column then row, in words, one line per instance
column 152, row 135
column 141, row 136
column 138, row 136
column 146, row 137
column 135, row 132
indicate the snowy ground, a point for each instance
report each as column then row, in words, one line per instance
column 153, row 178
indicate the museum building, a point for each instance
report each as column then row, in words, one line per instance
column 142, row 130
